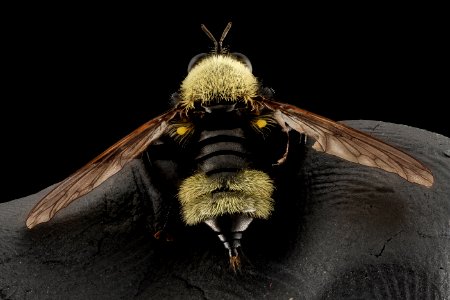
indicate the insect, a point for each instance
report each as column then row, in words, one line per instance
column 221, row 121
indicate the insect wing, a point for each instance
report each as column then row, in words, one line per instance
column 350, row 144
column 99, row 169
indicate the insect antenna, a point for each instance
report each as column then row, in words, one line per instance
column 217, row 45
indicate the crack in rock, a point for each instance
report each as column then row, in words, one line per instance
column 385, row 243
column 191, row 286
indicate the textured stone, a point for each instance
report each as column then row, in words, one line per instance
column 339, row 231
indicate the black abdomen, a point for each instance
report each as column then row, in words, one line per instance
column 222, row 151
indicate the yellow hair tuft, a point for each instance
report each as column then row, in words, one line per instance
column 218, row 78
column 248, row 192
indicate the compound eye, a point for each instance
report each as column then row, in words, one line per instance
column 195, row 60
column 243, row 59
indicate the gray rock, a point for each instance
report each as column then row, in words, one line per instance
column 340, row 231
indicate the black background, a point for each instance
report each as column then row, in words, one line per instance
column 78, row 78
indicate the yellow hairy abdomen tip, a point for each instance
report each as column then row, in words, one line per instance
column 247, row 192
column 182, row 130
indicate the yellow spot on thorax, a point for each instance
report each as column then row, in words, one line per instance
column 182, row 130
column 261, row 123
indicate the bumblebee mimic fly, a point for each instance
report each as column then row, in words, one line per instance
column 220, row 113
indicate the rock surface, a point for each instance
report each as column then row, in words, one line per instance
column 339, row 231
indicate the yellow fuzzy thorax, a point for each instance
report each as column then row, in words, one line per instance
column 218, row 78
column 248, row 192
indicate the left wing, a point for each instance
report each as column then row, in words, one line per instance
column 99, row 169
column 350, row 144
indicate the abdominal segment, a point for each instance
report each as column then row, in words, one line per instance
column 204, row 197
column 226, row 180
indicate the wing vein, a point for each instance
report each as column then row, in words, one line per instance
column 350, row 144
column 102, row 167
